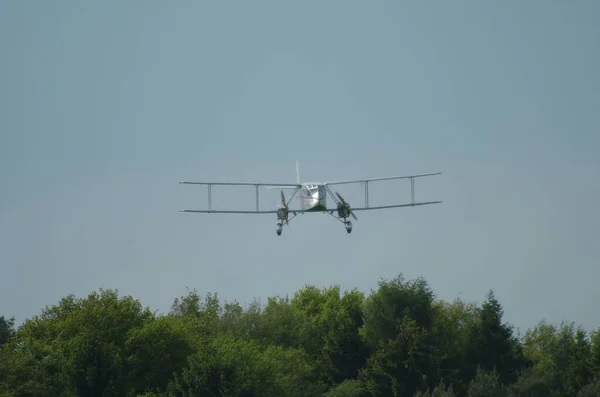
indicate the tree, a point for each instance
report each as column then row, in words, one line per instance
column 396, row 341
column 78, row 347
column 452, row 327
column 563, row 355
column 7, row 329
column 486, row 384
column 398, row 332
column 595, row 351
column 229, row 366
column 592, row 389
column 330, row 331
column 348, row 388
column 492, row 345
column 441, row 390
column 531, row 383
column 156, row 351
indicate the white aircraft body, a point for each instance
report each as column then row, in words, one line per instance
column 312, row 197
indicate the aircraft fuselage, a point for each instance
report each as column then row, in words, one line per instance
column 313, row 197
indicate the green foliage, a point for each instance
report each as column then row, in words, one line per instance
column 441, row 390
column 348, row 388
column 399, row 340
column 7, row 329
column 156, row 351
column 452, row 329
column 532, row 383
column 493, row 346
column 562, row 355
column 592, row 389
column 399, row 334
column 595, row 350
column 329, row 331
column 486, row 384
column 229, row 366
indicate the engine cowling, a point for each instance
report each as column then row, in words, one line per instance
column 342, row 210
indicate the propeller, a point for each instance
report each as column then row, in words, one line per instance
column 285, row 208
column 347, row 206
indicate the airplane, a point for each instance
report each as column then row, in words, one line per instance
column 312, row 198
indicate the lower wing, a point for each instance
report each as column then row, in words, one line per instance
column 291, row 211
column 381, row 207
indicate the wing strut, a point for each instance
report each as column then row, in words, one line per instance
column 367, row 206
column 209, row 186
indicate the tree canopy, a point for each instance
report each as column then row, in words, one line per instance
column 399, row 340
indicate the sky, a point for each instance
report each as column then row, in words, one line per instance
column 106, row 106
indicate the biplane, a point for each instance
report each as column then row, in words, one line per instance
column 312, row 197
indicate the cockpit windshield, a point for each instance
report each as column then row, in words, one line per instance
column 310, row 190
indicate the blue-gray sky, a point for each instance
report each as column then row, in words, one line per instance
column 105, row 106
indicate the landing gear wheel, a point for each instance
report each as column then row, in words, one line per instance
column 348, row 227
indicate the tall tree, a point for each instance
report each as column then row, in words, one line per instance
column 398, row 331
column 332, row 329
column 7, row 329
column 453, row 324
column 561, row 354
column 595, row 352
column 397, row 341
column 78, row 347
column 229, row 366
column 493, row 347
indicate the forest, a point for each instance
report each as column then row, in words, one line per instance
column 397, row 340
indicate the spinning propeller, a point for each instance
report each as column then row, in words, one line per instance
column 285, row 208
column 346, row 206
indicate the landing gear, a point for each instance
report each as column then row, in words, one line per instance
column 344, row 210
column 348, row 227
column 282, row 214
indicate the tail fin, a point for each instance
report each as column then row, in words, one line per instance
column 289, row 187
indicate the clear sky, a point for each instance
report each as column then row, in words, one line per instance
column 105, row 106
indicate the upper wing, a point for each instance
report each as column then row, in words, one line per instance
column 231, row 211
column 381, row 179
column 291, row 211
column 240, row 184
column 255, row 184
